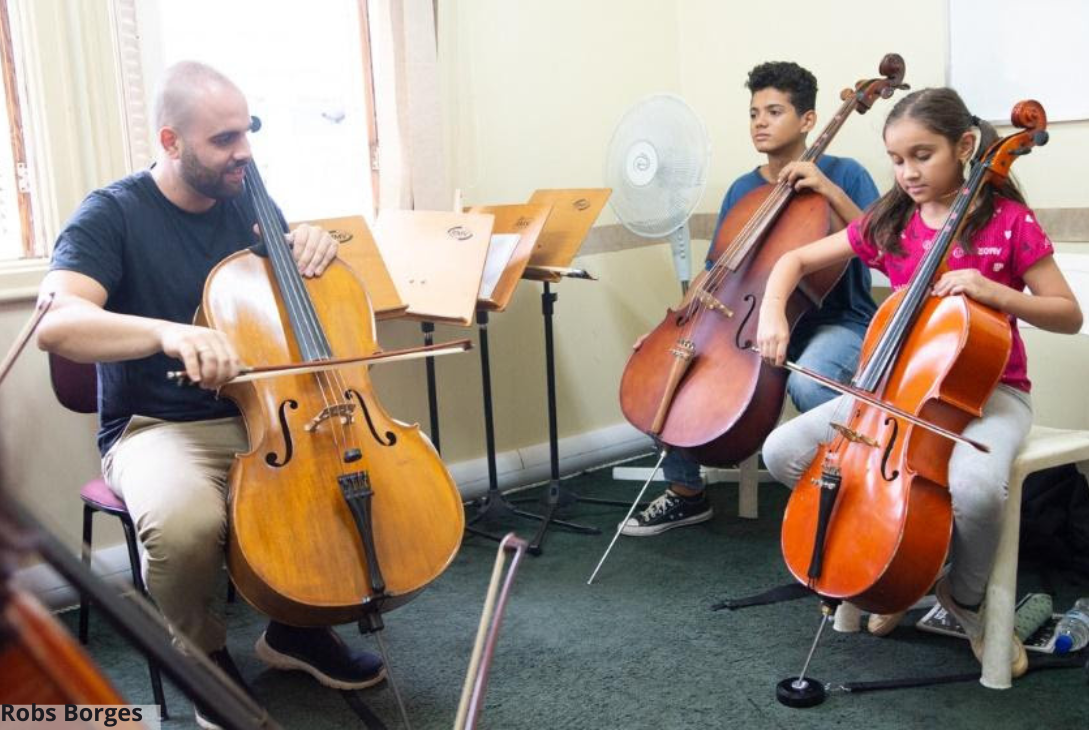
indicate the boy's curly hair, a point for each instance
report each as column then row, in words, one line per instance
column 789, row 77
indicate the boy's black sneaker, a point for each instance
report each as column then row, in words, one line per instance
column 668, row 511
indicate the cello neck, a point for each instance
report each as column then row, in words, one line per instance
column 859, row 99
column 990, row 166
column 302, row 317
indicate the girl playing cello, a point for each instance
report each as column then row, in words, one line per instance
column 929, row 137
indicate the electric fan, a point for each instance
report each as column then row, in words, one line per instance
column 657, row 167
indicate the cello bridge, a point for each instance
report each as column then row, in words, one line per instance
column 341, row 411
column 854, row 436
column 708, row 300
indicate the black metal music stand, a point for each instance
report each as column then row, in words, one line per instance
column 558, row 496
column 494, row 506
column 432, row 391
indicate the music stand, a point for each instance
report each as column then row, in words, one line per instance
column 573, row 214
column 359, row 250
column 448, row 283
column 526, row 221
column 436, row 258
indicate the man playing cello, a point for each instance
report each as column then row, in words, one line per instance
column 128, row 271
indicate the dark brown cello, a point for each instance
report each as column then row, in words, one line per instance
column 871, row 519
column 338, row 512
column 694, row 382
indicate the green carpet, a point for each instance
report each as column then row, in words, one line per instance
column 640, row 648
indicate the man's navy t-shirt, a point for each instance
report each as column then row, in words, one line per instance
column 152, row 258
column 849, row 303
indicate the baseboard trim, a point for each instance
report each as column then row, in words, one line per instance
column 516, row 469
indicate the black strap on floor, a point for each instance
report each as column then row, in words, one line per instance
column 860, row 687
column 370, row 720
column 779, row 594
column 1038, row 665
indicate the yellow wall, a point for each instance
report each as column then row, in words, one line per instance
column 532, row 91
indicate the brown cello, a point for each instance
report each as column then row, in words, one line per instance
column 338, row 512
column 694, row 382
column 871, row 519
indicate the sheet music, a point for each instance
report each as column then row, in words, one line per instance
column 500, row 249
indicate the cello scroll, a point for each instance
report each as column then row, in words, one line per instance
column 867, row 91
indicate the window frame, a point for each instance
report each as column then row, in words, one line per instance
column 13, row 109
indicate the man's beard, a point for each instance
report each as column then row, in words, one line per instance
column 208, row 182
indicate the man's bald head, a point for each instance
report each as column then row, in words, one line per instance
column 181, row 89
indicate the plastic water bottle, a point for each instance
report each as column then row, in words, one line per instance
column 1072, row 631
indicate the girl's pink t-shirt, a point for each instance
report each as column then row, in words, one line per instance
column 1010, row 243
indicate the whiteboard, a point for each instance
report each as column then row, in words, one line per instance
column 1001, row 52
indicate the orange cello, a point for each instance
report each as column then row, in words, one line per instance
column 694, row 382
column 338, row 512
column 871, row 519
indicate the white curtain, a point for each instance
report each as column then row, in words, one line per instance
column 70, row 112
column 406, row 77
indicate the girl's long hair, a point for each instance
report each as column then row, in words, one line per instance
column 943, row 112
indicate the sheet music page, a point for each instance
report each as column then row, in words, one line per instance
column 500, row 249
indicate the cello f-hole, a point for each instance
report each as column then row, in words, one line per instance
column 749, row 299
column 391, row 437
column 888, row 450
column 270, row 458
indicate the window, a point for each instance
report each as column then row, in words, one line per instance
column 16, row 221
column 305, row 74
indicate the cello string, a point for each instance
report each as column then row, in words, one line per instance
column 296, row 299
column 756, row 225
column 283, row 262
column 783, row 189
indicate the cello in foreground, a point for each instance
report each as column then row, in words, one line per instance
column 694, row 382
column 870, row 521
column 338, row 512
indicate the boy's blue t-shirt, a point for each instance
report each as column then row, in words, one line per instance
column 849, row 303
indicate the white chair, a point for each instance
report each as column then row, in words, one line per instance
column 1043, row 449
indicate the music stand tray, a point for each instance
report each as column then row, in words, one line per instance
column 436, row 259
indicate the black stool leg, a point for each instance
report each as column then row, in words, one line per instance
column 230, row 590
column 138, row 581
column 85, row 554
